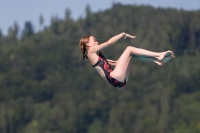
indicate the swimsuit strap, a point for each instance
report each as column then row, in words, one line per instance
column 95, row 64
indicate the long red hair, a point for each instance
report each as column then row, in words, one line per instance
column 83, row 45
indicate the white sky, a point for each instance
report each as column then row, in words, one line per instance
column 21, row 11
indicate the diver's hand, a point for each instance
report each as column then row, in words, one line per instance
column 129, row 36
column 126, row 35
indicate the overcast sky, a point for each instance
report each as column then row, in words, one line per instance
column 21, row 11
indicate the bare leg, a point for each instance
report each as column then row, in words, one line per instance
column 143, row 52
column 128, row 69
column 121, row 70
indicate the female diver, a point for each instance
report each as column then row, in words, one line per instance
column 118, row 76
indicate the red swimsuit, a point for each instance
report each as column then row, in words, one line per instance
column 103, row 63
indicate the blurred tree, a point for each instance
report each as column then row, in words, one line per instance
column 88, row 11
column 1, row 37
column 28, row 30
column 3, row 122
column 13, row 32
column 67, row 14
column 67, row 26
column 41, row 20
column 1, row 34
column 88, row 20
column 55, row 25
column 10, row 115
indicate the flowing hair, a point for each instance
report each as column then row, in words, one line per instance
column 83, row 45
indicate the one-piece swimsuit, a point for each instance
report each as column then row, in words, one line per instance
column 103, row 63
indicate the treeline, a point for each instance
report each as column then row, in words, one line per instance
column 46, row 87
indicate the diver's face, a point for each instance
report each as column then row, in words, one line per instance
column 92, row 42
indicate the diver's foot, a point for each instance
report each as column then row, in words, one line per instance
column 165, row 54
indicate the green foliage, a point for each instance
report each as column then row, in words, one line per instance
column 28, row 30
column 45, row 87
column 1, row 34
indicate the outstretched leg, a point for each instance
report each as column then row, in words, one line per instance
column 121, row 70
column 142, row 52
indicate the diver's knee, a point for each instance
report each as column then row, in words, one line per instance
column 130, row 48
